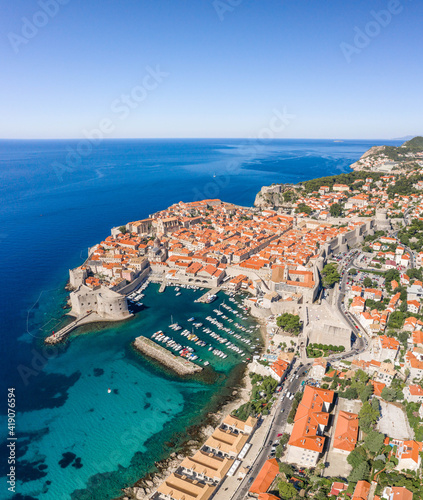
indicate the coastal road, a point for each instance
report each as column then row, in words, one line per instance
column 361, row 343
column 291, row 385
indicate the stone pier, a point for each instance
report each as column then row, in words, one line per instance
column 63, row 332
column 213, row 291
column 179, row 365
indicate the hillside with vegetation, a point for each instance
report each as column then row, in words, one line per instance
column 397, row 154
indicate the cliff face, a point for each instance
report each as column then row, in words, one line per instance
column 267, row 196
column 372, row 151
column 273, row 196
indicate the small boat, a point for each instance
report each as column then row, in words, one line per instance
column 109, row 390
column 210, row 298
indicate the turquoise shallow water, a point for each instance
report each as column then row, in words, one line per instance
column 147, row 407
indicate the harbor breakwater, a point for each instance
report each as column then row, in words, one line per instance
column 179, row 365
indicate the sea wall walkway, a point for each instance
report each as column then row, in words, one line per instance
column 179, row 365
column 91, row 317
column 63, row 332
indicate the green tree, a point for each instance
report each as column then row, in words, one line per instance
column 288, row 196
column 403, row 338
column 330, row 275
column 378, row 465
column 375, row 304
column 336, row 210
column 367, row 282
column 286, row 490
column 123, row 229
column 391, row 275
column 368, row 416
column 357, row 456
column 303, row 208
column 414, row 274
column 374, row 403
column 374, row 441
column 396, row 320
column 289, row 323
column 350, row 393
column 389, row 394
column 366, row 392
column 286, row 469
column 359, row 473
column 281, row 446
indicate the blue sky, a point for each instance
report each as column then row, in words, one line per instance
column 220, row 68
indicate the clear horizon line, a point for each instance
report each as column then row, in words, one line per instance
column 203, row 138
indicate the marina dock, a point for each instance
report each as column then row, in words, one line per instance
column 179, row 365
column 213, row 291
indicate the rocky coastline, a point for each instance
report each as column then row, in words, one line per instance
column 146, row 486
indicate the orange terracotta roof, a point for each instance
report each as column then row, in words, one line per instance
column 410, row 450
column 361, row 491
column 415, row 390
column 279, row 367
column 310, row 415
column 418, row 337
column 388, row 342
column 265, row 477
column 401, row 493
column 377, row 387
column 346, row 432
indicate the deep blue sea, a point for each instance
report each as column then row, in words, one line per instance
column 55, row 203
